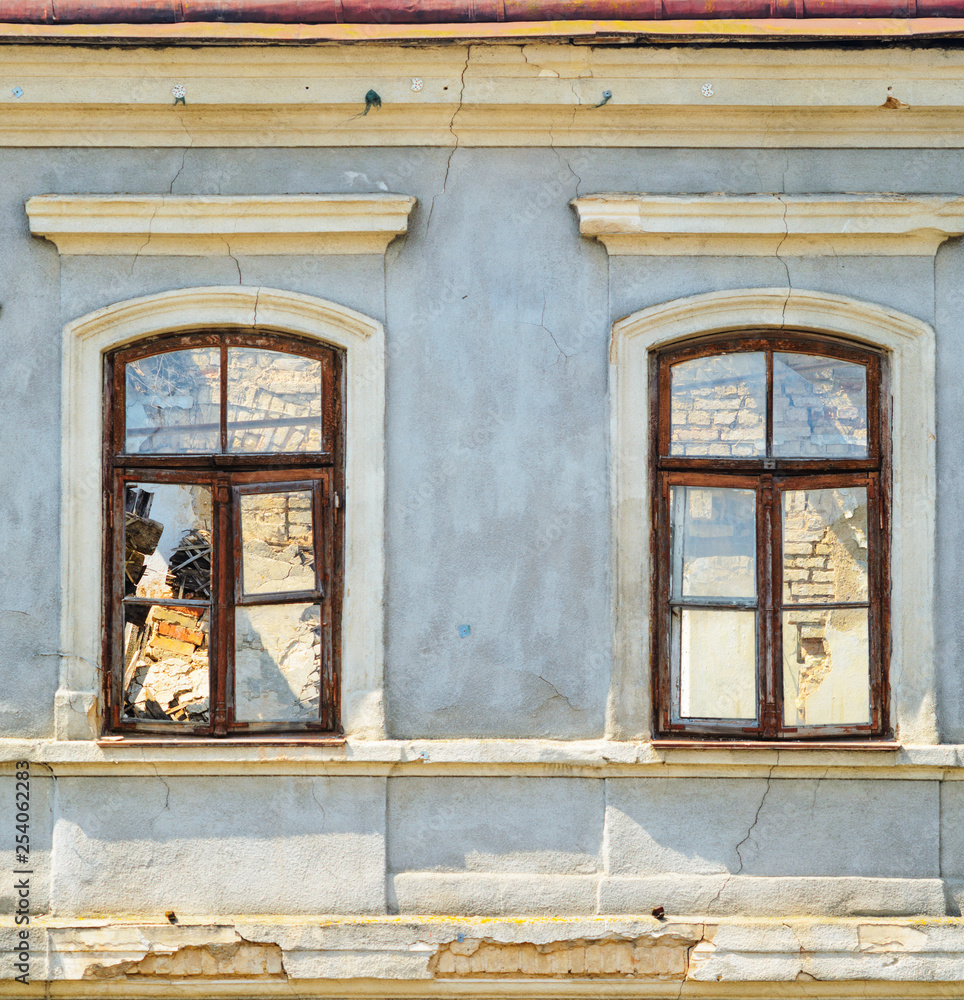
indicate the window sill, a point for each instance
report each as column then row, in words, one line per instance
column 228, row 741
column 488, row 758
column 694, row 744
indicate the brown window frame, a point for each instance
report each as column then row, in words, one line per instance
column 229, row 476
column 769, row 477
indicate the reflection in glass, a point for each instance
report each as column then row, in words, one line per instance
column 173, row 403
column 819, row 407
column 826, row 667
column 277, row 542
column 718, row 406
column 714, row 654
column 274, row 402
column 166, row 663
column 713, row 534
column 277, row 658
column 825, row 546
column 167, row 541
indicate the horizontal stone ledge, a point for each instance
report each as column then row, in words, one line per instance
column 479, row 894
column 428, row 956
column 219, row 225
column 479, row 757
column 768, row 896
column 582, row 129
column 771, row 224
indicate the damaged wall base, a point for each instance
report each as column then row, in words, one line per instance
column 477, row 957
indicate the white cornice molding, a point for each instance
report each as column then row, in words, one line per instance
column 513, row 93
column 767, row 224
column 208, row 225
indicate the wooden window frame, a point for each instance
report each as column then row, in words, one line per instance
column 229, row 476
column 769, row 477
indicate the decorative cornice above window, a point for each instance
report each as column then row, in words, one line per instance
column 209, row 225
column 760, row 225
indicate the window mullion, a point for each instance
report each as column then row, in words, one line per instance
column 224, row 606
column 768, row 546
column 223, row 437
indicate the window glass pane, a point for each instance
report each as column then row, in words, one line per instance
column 819, row 407
column 715, row 655
column 713, row 535
column 166, row 663
column 277, row 542
column 718, row 406
column 274, row 402
column 173, row 403
column 167, row 541
column 825, row 546
column 826, row 667
column 277, row 662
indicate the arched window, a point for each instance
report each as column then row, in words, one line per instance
column 224, row 460
column 770, row 536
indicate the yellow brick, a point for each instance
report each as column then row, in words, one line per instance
column 512, row 958
column 623, row 957
column 177, row 617
column 644, row 961
column 493, row 959
column 594, row 960
column 172, row 645
column 529, row 961
column 446, row 962
column 577, row 961
column 559, row 961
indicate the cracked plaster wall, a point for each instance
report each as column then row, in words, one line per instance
column 498, row 318
column 498, row 846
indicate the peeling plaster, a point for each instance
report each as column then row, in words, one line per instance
column 242, row 958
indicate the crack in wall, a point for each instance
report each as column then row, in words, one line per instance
column 750, row 829
column 455, row 135
column 558, row 693
column 542, row 326
column 236, row 264
column 150, row 233
column 786, row 235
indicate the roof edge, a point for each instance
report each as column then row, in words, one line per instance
column 775, row 30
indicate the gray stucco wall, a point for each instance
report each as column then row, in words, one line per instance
column 498, row 318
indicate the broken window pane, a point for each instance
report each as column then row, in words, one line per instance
column 718, row 406
column 166, row 663
column 825, row 546
column 819, row 407
column 277, row 660
column 274, row 402
column 277, row 542
column 715, row 655
column 713, row 534
column 167, row 541
column 826, row 667
column 173, row 403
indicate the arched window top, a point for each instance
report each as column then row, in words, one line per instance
column 225, row 394
column 772, row 400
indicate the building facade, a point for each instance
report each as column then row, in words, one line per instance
column 482, row 504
